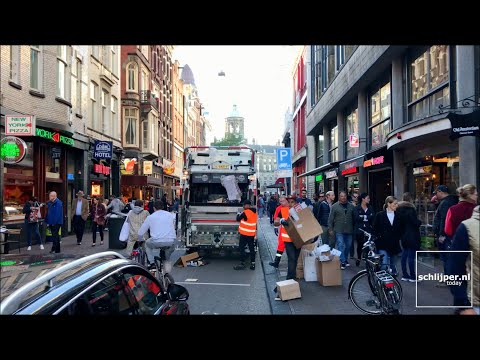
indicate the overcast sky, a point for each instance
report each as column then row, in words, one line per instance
column 258, row 79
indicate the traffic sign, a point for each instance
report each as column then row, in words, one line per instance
column 23, row 125
column 284, row 159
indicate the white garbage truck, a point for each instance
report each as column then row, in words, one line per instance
column 216, row 182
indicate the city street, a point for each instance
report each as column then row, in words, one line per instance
column 216, row 288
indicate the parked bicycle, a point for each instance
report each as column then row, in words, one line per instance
column 373, row 290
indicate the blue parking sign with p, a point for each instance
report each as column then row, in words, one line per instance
column 284, row 159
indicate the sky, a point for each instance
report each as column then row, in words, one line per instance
column 258, row 79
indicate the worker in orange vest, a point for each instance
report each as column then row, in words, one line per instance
column 248, row 230
column 280, row 212
column 292, row 251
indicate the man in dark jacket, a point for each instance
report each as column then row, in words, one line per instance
column 446, row 202
column 272, row 206
column 322, row 217
column 54, row 220
column 410, row 239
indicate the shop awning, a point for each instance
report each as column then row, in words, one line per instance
column 351, row 160
column 319, row 169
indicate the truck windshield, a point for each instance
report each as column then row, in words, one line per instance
column 214, row 194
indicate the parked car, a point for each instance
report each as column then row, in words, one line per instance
column 100, row 284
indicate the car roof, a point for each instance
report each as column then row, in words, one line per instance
column 44, row 290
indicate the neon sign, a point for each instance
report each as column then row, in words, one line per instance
column 54, row 136
column 352, row 170
column 374, row 161
column 12, row 149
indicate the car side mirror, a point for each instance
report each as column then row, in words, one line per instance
column 177, row 292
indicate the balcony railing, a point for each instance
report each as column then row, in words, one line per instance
column 148, row 98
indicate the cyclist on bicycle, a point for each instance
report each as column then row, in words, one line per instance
column 162, row 234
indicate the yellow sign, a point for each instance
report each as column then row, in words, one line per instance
column 221, row 166
column 168, row 167
column 147, row 167
column 96, row 190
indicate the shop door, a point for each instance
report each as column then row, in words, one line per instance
column 380, row 186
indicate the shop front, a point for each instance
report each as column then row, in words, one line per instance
column 379, row 164
column 331, row 181
column 350, row 170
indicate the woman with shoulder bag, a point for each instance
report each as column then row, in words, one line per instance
column 99, row 211
column 32, row 217
column 135, row 218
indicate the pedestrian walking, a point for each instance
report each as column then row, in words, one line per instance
column 341, row 222
column 446, row 201
column 115, row 205
column 322, row 217
column 31, row 209
column 260, row 206
column 271, row 207
column 81, row 210
column 468, row 198
column 136, row 217
column 363, row 215
column 410, row 239
column 54, row 220
column 387, row 228
column 98, row 213
column 459, row 263
column 247, row 229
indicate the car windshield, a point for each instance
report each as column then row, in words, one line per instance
column 65, row 276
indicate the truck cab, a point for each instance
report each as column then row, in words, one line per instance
column 217, row 180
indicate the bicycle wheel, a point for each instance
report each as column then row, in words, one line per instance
column 361, row 295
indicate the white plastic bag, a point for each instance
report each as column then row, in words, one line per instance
column 309, row 267
column 335, row 252
column 125, row 232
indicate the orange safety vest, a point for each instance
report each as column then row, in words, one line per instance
column 282, row 234
column 248, row 227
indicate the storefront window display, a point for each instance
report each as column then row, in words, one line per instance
column 18, row 187
column 426, row 175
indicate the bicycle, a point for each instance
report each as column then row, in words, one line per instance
column 374, row 291
column 138, row 253
column 161, row 274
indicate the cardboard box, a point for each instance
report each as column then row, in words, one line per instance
column 303, row 227
column 329, row 272
column 184, row 260
column 288, row 290
column 304, row 252
column 325, row 256
column 309, row 268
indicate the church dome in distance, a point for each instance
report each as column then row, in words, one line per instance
column 187, row 75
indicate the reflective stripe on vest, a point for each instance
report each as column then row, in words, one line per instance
column 283, row 233
column 248, row 227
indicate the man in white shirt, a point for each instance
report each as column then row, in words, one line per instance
column 162, row 231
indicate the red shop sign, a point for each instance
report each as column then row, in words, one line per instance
column 352, row 170
column 101, row 169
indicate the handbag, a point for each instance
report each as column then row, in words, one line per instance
column 35, row 214
column 125, row 232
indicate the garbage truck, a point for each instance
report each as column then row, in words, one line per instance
column 216, row 182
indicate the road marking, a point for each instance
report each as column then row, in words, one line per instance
column 18, row 280
column 223, row 284
column 191, row 280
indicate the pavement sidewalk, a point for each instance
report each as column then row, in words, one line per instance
column 317, row 299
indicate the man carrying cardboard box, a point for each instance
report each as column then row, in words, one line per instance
column 279, row 213
column 292, row 251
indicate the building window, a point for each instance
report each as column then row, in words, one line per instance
column 96, row 51
column 144, row 84
column 36, row 67
column 113, row 109
column 145, row 135
column 153, row 133
column 144, row 50
column 62, row 71
column 132, row 77
column 324, row 62
column 380, row 115
column 333, row 142
column 339, row 56
column 131, row 116
column 78, row 87
column 114, row 59
column 429, row 82
column 15, row 64
column 351, row 128
column 93, row 106
column 319, row 151
column 106, row 113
